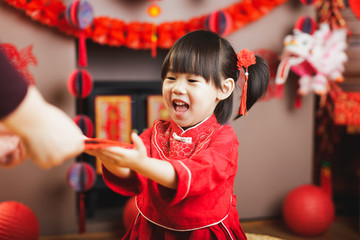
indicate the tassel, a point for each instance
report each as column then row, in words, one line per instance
column 279, row 90
column 325, row 178
column 298, row 101
column 81, row 214
column 242, row 109
column 82, row 50
column 245, row 58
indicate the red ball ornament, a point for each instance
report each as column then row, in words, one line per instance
column 130, row 212
column 17, row 221
column 355, row 7
column 81, row 176
column 308, row 2
column 308, row 210
column 219, row 22
column 80, row 83
column 306, row 24
column 85, row 124
column 79, row 14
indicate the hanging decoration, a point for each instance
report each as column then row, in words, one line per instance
column 85, row 124
column 316, row 55
column 79, row 15
column 81, row 175
column 116, row 32
column 308, row 2
column 329, row 11
column 346, row 106
column 154, row 11
column 325, row 178
column 219, row 22
column 80, row 83
column 326, row 138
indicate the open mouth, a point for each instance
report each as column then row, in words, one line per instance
column 180, row 106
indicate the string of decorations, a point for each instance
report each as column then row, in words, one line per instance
column 81, row 176
column 140, row 35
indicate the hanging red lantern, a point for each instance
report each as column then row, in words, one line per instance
column 79, row 15
column 80, row 83
column 219, row 22
column 85, row 124
column 81, row 176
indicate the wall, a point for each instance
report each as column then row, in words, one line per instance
column 275, row 139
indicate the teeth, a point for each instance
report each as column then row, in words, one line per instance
column 179, row 103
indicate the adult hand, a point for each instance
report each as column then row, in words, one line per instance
column 12, row 150
column 49, row 135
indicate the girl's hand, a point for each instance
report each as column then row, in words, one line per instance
column 109, row 163
column 130, row 158
column 116, row 159
column 123, row 157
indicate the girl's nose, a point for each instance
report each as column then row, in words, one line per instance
column 179, row 87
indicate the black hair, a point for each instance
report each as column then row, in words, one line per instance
column 206, row 54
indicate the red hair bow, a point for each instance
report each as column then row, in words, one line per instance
column 245, row 58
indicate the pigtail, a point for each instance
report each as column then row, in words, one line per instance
column 257, row 83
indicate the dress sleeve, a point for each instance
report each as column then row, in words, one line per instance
column 209, row 168
column 132, row 185
column 13, row 86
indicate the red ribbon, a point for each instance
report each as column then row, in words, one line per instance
column 98, row 143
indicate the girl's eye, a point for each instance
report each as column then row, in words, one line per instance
column 193, row 80
column 171, row 78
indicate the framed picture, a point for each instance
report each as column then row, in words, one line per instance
column 113, row 119
column 156, row 109
column 117, row 108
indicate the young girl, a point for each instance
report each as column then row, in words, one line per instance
column 182, row 171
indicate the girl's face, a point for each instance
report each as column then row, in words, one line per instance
column 189, row 98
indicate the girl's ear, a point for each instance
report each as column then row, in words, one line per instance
column 228, row 86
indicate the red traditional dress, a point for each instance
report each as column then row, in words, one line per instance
column 203, row 205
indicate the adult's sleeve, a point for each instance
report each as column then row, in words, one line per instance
column 13, row 87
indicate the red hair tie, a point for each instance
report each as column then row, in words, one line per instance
column 245, row 58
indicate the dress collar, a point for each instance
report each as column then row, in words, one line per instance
column 195, row 130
